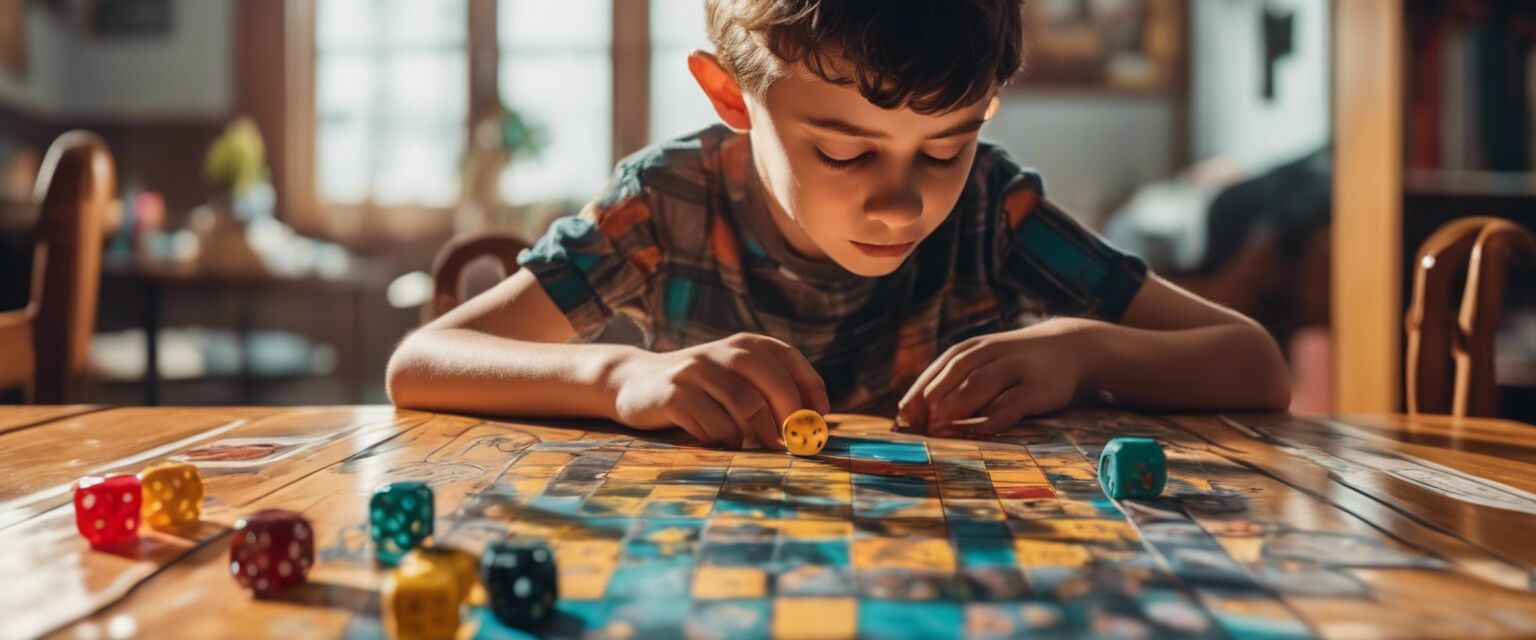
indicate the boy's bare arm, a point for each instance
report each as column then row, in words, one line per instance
column 504, row 352
column 1173, row 350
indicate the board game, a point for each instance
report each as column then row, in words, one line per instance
column 1270, row 527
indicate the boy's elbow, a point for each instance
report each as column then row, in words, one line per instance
column 1273, row 379
column 402, row 376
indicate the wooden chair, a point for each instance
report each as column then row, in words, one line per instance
column 45, row 344
column 459, row 253
column 1450, row 368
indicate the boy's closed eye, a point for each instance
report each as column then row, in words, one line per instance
column 834, row 161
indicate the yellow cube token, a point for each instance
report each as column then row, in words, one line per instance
column 805, row 433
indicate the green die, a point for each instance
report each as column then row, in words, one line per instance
column 400, row 518
column 1133, row 468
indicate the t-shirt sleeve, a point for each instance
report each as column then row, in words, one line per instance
column 1045, row 252
column 598, row 262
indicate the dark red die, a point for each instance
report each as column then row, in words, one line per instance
column 272, row 550
column 107, row 509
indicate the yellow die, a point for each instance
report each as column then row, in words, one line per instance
column 173, row 494
column 463, row 566
column 805, row 433
column 421, row 601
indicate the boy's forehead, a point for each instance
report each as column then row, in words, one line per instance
column 800, row 93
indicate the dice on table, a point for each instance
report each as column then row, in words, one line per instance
column 421, row 600
column 804, row 432
column 1133, row 467
column 107, row 510
column 462, row 565
column 173, row 494
column 521, row 581
column 271, row 550
column 400, row 518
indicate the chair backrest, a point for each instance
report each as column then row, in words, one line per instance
column 75, row 188
column 448, row 268
column 1450, row 367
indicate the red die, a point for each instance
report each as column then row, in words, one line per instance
column 272, row 550
column 107, row 509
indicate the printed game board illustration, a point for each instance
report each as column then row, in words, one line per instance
column 887, row 535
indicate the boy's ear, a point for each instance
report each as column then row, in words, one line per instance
column 721, row 88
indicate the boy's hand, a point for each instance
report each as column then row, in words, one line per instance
column 725, row 392
column 1002, row 376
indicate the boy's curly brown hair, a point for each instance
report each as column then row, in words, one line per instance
column 930, row 56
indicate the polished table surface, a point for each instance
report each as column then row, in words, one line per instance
column 1271, row 526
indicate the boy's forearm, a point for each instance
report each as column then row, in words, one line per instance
column 1230, row 366
column 475, row 372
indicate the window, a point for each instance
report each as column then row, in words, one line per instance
column 555, row 70
column 394, row 90
column 391, row 101
column 678, row 106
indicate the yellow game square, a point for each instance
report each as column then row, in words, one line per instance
column 545, row 459
column 815, row 618
column 1045, row 553
column 760, row 461
column 685, row 492
column 1019, row 476
column 917, row 554
column 1092, row 529
column 712, row 582
column 584, row 583
column 587, row 553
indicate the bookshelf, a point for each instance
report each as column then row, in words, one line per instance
column 1409, row 156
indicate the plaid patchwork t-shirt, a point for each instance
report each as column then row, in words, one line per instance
column 682, row 246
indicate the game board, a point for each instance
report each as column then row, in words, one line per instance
column 1272, row 527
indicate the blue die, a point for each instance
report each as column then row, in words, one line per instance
column 1133, row 467
column 400, row 518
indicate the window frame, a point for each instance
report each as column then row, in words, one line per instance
column 368, row 222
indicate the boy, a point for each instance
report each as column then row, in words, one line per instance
column 843, row 243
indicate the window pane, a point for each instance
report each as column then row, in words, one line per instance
column 419, row 166
column 391, row 100
column 427, row 85
column 527, row 25
column 343, row 24
column 568, row 97
column 426, row 23
column 556, row 72
column 678, row 106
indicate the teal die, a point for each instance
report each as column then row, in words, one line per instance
column 1133, row 467
column 400, row 518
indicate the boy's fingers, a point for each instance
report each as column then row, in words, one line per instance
column 813, row 390
column 913, row 404
column 687, row 423
column 744, row 401
column 955, row 372
column 773, row 383
column 1012, row 405
column 711, row 418
column 980, row 387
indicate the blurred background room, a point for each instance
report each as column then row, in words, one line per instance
column 287, row 172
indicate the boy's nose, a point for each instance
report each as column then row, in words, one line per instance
column 895, row 207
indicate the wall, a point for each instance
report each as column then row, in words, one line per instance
column 1091, row 149
column 1229, row 115
column 76, row 75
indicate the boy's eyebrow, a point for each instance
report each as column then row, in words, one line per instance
column 848, row 128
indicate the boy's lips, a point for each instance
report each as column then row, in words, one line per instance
column 883, row 250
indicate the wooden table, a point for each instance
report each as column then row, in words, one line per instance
column 1272, row 526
